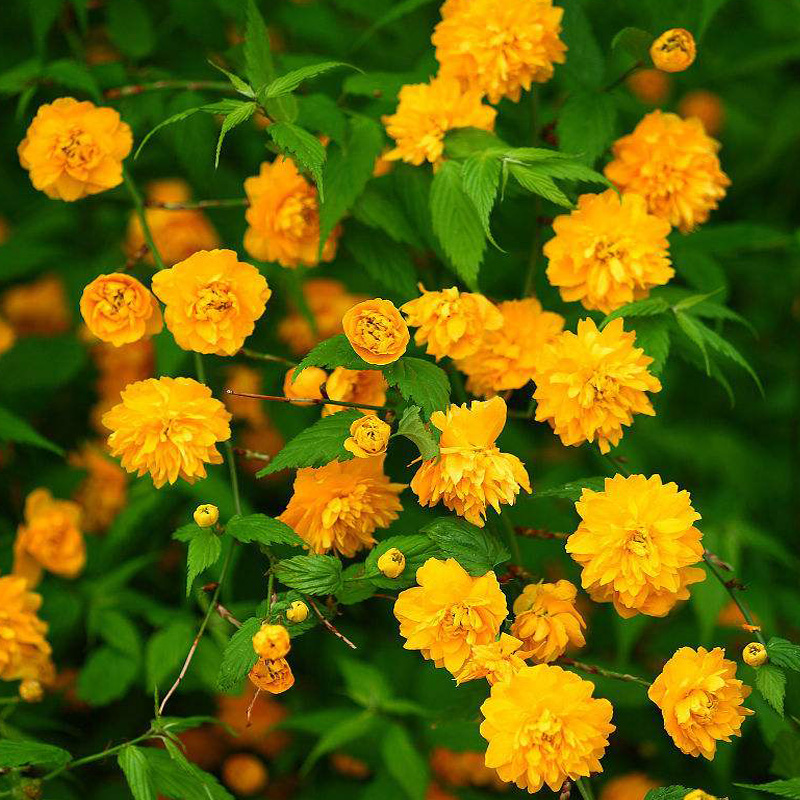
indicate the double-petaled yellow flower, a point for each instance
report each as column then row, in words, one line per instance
column 24, row 650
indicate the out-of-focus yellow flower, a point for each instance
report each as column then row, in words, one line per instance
column 466, row 768
column 369, row 436
column 274, row 677
column 637, row 545
column 451, row 323
column 212, row 301
column 633, row 786
column 50, row 538
column 253, row 724
column 119, row 309
column 426, row 111
column 245, row 379
column 543, row 726
column 449, row 612
column 608, row 252
column 206, row 515
column 674, row 50
column 103, row 493
column 383, row 166
column 392, row 563
column 546, row 620
column 307, row 385
column 7, row 336
column 496, row 661
column 24, row 651
column 336, row 508
column 754, row 654
column 700, row 700
column 271, row 641
column 673, row 164
column 177, row 233
column 31, row 691
column 366, row 386
column 74, row 149
column 651, row 86
column 705, row 106
column 376, row 331
column 38, row 308
column 244, row 774
column 506, row 358
column 499, row 49
column 297, row 612
column 471, row 473
column 591, row 383
column 283, row 217
column 168, row 427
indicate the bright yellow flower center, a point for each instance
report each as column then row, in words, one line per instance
column 214, row 301
column 540, row 732
column 376, row 332
column 77, row 149
column 639, row 543
column 296, row 214
column 117, row 298
column 598, row 388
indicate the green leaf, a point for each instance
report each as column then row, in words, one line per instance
column 364, row 683
column 262, row 529
column 291, row 80
column 667, row 793
column 134, row 766
column 784, row 653
column 236, row 117
column 465, row 142
column 311, row 574
column 20, row 754
column 457, row 223
column 536, row 180
column 338, row 735
column 786, row 749
column 334, row 352
column 174, row 777
column 480, row 176
column 652, row 335
column 356, row 587
column 118, row 631
column 726, row 349
column 180, row 724
column 771, row 682
column 413, row 428
column 257, row 55
column 404, row 762
column 585, row 65
column 586, row 124
column 691, row 327
column 789, row 788
column 317, row 445
column 417, row 549
column 421, row 381
column 383, row 260
column 166, row 651
column 321, row 114
column 635, row 42
column 476, row 549
column 303, row 147
column 73, row 75
column 238, row 658
column 130, row 29
column 204, row 550
column 241, row 86
column 106, row 676
column 377, row 210
column 397, row 11
column 14, row 429
column 573, row 489
column 44, row 15
column 570, row 170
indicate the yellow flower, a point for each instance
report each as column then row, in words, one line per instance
column 119, row 309
column 705, row 106
column 248, row 409
column 49, row 539
column 355, row 386
column 297, row 612
column 754, row 654
column 543, row 726
column 274, row 677
column 499, row 49
column 496, row 661
column 283, row 217
column 700, row 700
column 673, row 164
column 212, row 301
column 168, row 427
column 24, row 651
column 206, row 515
column 633, row 786
column 506, row 358
column 451, row 323
column 608, row 252
column 376, row 331
column 591, row 383
column 449, row 612
column 369, row 436
column 177, row 233
column 104, row 491
column 651, row 86
column 271, row 641
column 37, row 308
column 426, row 111
column 7, row 336
column 637, row 543
column 699, row 794
column 471, row 473
column 392, row 563
column 546, row 620
column 674, row 50
column 74, row 149
column 307, row 385
column 244, row 774
column 336, row 508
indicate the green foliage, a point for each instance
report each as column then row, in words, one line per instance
column 261, row 529
column 204, row 550
column 571, row 490
column 771, row 682
column 14, row 429
column 667, row 793
column 424, row 437
column 311, row 574
column 476, row 549
column 238, row 658
column 417, row 549
column 421, row 381
column 783, row 653
column 133, row 763
column 790, row 788
column 19, row 754
column 333, row 352
column 302, row 147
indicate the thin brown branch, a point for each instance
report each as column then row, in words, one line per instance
column 539, row 533
column 233, row 202
column 252, row 703
column 140, row 88
column 606, row 673
column 318, row 401
column 245, row 351
column 226, row 615
column 328, row 624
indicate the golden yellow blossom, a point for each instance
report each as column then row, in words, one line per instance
column 651, row 86
column 543, row 726
column 591, row 383
column 369, row 436
column 355, row 386
column 426, row 111
column 637, row 545
column 271, row 641
column 466, row 768
column 705, row 106
column 307, row 385
column 206, row 515
column 451, row 323
column 496, row 661
column 700, row 700
column 274, row 677
column 506, row 358
column 7, row 336
column 245, row 379
column 244, row 774
column 449, row 612
column 297, row 612
column 632, row 786
column 168, row 427
column 471, row 473
column 24, row 651
column 754, row 654
column 50, row 538
column 608, row 252
column 103, row 493
column 119, row 309
column 257, row 729
column 673, row 164
column 376, row 331
column 212, row 301
column 283, row 217
column 74, row 149
column 674, row 50
column 546, row 620
column 499, row 49
column 38, row 308
column 699, row 794
column 336, row 508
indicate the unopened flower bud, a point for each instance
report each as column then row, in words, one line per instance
column 206, row 515
column 271, row 641
column 674, row 50
column 754, row 654
column 699, row 794
column 31, row 691
column 392, row 563
column 369, row 436
column 297, row 612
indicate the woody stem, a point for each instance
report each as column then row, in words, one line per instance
column 245, row 351
column 319, row 401
column 622, row 78
column 139, row 88
column 138, row 204
column 584, row 787
column 605, row 673
column 197, row 204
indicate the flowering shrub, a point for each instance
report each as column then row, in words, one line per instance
column 367, row 420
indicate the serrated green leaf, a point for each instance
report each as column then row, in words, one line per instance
column 204, row 550
column 312, row 574
column 784, row 653
column 726, row 349
column 476, row 549
column 571, row 490
column 238, row 657
column 404, row 762
column 237, row 117
column 177, row 779
column 106, row 676
column 15, row 429
column 356, row 587
column 134, row 766
column 383, row 260
column 464, row 142
column 377, row 210
column 259, row 67
column 334, row 352
column 789, row 788
column 421, row 381
column 261, row 529
column 481, row 179
column 291, row 80
column 338, row 735
column 771, row 682
column 691, row 327
column 241, row 86
column 586, row 124
column 166, row 651
column 303, row 147
column 21, row 753
column 536, row 180
column 667, row 793
column 569, row 170
column 652, row 335
column 413, row 428
column 417, row 549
